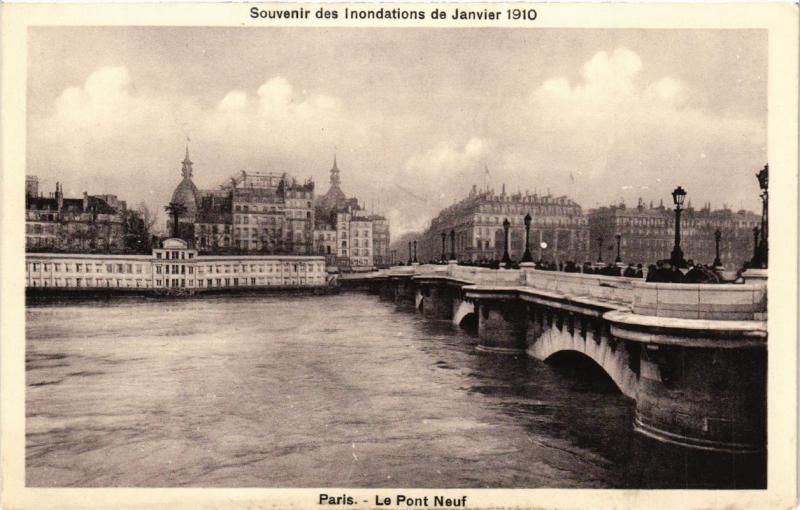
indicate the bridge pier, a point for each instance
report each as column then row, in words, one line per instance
column 704, row 388
column 386, row 291
column 437, row 300
column 501, row 325
column 404, row 291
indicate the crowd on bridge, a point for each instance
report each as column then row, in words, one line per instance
column 662, row 271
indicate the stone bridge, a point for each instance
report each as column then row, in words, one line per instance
column 692, row 356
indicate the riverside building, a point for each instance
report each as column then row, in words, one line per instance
column 350, row 238
column 647, row 233
column 252, row 212
column 559, row 231
column 175, row 265
column 92, row 223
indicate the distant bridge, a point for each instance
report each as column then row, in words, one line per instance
column 692, row 356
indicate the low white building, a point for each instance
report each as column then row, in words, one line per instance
column 172, row 266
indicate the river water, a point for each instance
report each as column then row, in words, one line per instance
column 324, row 391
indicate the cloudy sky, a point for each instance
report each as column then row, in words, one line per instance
column 415, row 115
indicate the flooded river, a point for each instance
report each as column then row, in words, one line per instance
column 322, row 391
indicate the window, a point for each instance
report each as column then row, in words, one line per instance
column 158, row 254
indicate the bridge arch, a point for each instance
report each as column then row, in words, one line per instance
column 464, row 313
column 613, row 361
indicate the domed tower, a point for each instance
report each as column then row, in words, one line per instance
column 184, row 203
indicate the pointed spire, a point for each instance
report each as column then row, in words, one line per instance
column 186, row 169
column 335, row 180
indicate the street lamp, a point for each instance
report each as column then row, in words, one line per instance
column 409, row 253
column 444, row 236
column 415, row 251
column 527, row 257
column 618, row 260
column 762, row 252
column 600, row 249
column 756, row 232
column 506, row 256
column 677, row 254
column 717, row 239
column 453, row 244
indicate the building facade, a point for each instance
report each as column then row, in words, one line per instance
column 350, row 238
column 93, row 223
column 173, row 265
column 559, row 231
column 647, row 234
column 250, row 213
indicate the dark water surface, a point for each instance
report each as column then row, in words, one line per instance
column 332, row 391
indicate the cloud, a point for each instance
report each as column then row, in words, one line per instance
column 621, row 128
column 622, row 132
column 109, row 135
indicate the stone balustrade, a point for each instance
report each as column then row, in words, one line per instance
column 746, row 301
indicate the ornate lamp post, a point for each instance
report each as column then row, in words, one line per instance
column 618, row 260
column 444, row 255
column 506, row 256
column 717, row 239
column 600, row 249
column 527, row 257
column 415, row 251
column 756, row 232
column 452, row 245
column 677, row 254
column 762, row 251
column 409, row 253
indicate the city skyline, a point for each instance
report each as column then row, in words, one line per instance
column 596, row 115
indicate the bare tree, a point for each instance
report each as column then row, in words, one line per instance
column 148, row 217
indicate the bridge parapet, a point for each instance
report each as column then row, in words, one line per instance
column 701, row 301
column 677, row 300
column 616, row 289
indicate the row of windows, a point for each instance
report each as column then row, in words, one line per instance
column 40, row 229
column 214, row 228
column 275, row 232
column 175, row 255
column 237, row 282
column 91, row 282
column 87, row 267
column 261, row 268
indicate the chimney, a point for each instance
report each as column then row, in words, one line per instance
column 504, row 189
column 59, row 196
column 85, row 201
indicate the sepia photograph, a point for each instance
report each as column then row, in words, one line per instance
column 293, row 255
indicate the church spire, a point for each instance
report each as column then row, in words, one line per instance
column 335, row 180
column 187, row 163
